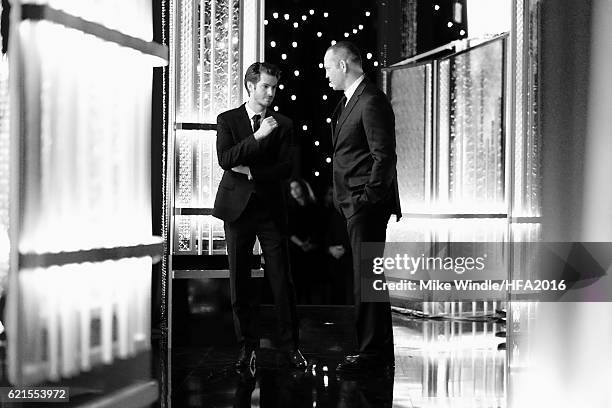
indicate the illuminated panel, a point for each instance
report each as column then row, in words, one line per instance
column 185, row 235
column 529, row 167
column 4, row 173
column 476, row 172
column 408, row 98
column 209, row 74
column 85, row 109
column 134, row 19
column 201, row 235
column 410, row 229
column 252, row 34
column 81, row 315
column 523, row 235
column 444, row 154
column 488, row 17
column 87, row 172
column 197, row 173
column 527, row 139
column 451, row 364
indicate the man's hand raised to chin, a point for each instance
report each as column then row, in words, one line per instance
column 266, row 127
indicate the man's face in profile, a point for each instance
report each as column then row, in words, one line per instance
column 333, row 71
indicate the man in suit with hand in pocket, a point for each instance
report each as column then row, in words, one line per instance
column 365, row 190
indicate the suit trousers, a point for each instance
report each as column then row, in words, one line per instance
column 372, row 319
column 258, row 221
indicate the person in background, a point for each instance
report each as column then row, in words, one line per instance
column 337, row 253
column 305, row 244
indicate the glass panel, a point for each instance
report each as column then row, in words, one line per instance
column 198, row 173
column 4, row 173
column 185, row 237
column 408, row 89
column 61, row 304
column 476, row 129
column 134, row 19
column 201, row 235
column 86, row 110
column 527, row 140
column 87, row 170
column 448, row 230
column 209, row 74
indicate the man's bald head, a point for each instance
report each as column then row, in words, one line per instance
column 347, row 51
column 342, row 62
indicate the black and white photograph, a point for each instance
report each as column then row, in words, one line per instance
column 306, row 203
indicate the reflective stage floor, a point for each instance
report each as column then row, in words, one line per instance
column 439, row 363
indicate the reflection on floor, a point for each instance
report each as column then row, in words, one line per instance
column 439, row 363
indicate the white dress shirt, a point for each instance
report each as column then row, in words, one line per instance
column 252, row 113
column 348, row 92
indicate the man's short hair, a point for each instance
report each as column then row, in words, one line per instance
column 253, row 73
column 347, row 50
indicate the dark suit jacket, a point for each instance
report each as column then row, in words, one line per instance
column 364, row 172
column 269, row 159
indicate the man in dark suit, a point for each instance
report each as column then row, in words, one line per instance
column 365, row 189
column 254, row 147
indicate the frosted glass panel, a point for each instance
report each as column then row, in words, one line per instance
column 201, row 235
column 4, row 172
column 87, row 162
column 410, row 229
column 198, row 173
column 527, row 139
column 409, row 100
column 475, row 128
column 134, row 18
column 84, row 112
column 209, row 74
column 60, row 305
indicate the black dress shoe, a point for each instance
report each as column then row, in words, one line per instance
column 247, row 358
column 362, row 362
column 296, row 359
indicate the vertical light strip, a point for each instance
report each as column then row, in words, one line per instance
column 201, row 47
column 519, row 130
column 443, row 132
column 430, row 139
column 5, row 174
column 230, row 53
column 213, row 52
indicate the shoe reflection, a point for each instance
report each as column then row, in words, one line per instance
column 278, row 388
column 370, row 390
column 282, row 388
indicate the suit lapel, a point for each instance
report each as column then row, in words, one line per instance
column 348, row 108
column 244, row 123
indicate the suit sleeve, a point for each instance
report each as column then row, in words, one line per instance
column 229, row 153
column 281, row 169
column 379, row 126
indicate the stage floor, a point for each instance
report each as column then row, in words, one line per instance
column 438, row 363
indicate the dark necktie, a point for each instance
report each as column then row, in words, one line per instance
column 341, row 107
column 256, row 122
